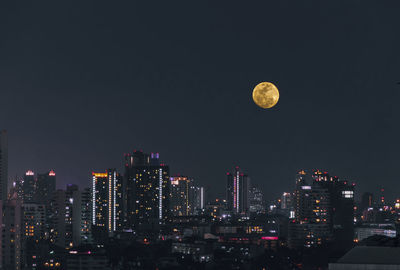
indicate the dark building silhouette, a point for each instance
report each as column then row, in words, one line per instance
column 45, row 187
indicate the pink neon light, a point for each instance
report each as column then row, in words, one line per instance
column 269, row 238
column 52, row 173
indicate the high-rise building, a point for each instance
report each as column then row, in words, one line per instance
column 84, row 199
column 11, row 215
column 180, row 199
column 45, row 187
column 238, row 185
column 312, row 219
column 328, row 203
column 341, row 209
column 29, row 187
column 256, row 200
column 3, row 165
column 33, row 221
column 147, row 191
column 197, row 195
column 106, row 199
column 367, row 201
column 70, row 217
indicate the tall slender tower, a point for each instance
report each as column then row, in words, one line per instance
column 3, row 165
column 105, row 206
column 238, row 185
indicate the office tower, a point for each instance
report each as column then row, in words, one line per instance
column 29, row 187
column 147, row 191
column 11, row 233
column 238, row 185
column 180, row 199
column 3, row 165
column 197, row 195
column 256, row 200
column 45, row 187
column 106, row 213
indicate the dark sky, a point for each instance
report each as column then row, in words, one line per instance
column 83, row 82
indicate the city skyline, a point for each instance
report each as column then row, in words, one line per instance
column 63, row 82
column 212, row 193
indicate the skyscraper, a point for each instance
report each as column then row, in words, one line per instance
column 180, row 200
column 147, row 190
column 197, row 195
column 70, row 217
column 341, row 207
column 3, row 165
column 237, row 196
column 45, row 187
column 105, row 200
column 312, row 224
column 11, row 217
column 29, row 187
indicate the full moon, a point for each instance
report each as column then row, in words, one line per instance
column 265, row 95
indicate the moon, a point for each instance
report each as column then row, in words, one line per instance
column 265, row 95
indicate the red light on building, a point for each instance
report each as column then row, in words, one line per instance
column 52, row 173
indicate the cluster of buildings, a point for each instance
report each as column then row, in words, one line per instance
column 145, row 206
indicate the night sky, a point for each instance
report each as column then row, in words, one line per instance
column 83, row 82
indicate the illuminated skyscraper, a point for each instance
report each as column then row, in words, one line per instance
column 237, row 196
column 3, row 165
column 147, row 190
column 105, row 200
column 180, row 199
column 324, row 210
column 341, row 207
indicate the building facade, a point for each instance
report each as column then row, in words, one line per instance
column 237, row 196
column 147, row 193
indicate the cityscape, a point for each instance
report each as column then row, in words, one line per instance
column 146, row 218
column 199, row 135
